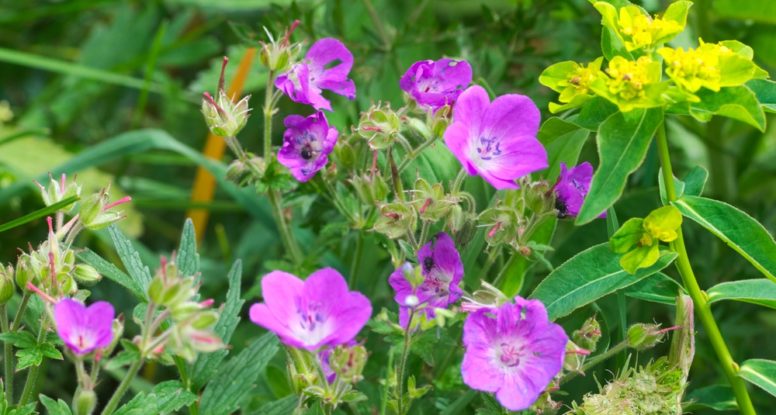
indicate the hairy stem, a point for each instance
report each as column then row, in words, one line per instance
column 702, row 308
column 114, row 401
column 7, row 356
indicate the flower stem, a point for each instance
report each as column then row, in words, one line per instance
column 17, row 320
column 269, row 110
column 7, row 357
column 356, row 260
column 729, row 366
column 594, row 361
column 32, row 376
column 412, row 155
column 114, row 401
column 403, row 363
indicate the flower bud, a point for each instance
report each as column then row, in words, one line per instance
column 6, row 283
column 379, row 126
column 588, row 335
column 59, row 190
column 371, row 189
column 84, row 402
column 224, row 117
column 96, row 211
column 440, row 121
column 86, row 274
column 644, row 336
column 348, row 362
column 396, row 219
column 278, row 55
column 456, row 219
column 430, row 200
column 24, row 271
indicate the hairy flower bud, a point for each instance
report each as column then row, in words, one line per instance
column 96, row 211
column 59, row 190
column 588, row 335
column 644, row 336
column 6, row 283
column 223, row 116
column 348, row 362
column 24, row 272
column 86, row 274
column 379, row 126
column 396, row 219
column 279, row 55
column 84, row 402
column 371, row 188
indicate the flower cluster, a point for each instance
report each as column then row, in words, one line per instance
column 638, row 240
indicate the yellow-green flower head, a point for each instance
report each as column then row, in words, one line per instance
column 572, row 80
column 631, row 83
column 638, row 30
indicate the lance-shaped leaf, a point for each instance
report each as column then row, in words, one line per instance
column 623, row 140
column 588, row 276
column 760, row 372
column 739, row 230
column 759, row 291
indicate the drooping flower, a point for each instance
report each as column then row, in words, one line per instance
column 571, row 188
column 307, row 143
column 310, row 314
column 436, row 83
column 496, row 140
column 84, row 329
column 442, row 271
column 513, row 351
column 326, row 66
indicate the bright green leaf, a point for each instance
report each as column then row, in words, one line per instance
column 739, row 230
column 760, row 291
column 58, row 407
column 716, row 397
column 588, row 276
column 623, row 140
column 639, row 258
column 628, row 236
column 765, row 91
column 760, row 372
column 657, row 288
column 110, row 271
column 738, row 103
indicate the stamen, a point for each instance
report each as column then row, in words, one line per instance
column 125, row 199
column 289, row 32
column 223, row 73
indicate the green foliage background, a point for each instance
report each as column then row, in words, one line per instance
column 124, row 78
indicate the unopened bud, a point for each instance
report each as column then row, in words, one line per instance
column 86, row 274
column 588, row 335
column 395, row 220
column 224, row 117
column 84, row 402
column 6, row 283
column 348, row 362
column 379, row 126
column 59, row 190
column 24, row 272
column 644, row 336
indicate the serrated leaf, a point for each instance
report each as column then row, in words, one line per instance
column 237, row 377
column 760, row 372
column 110, row 272
column 623, row 140
column 758, row 291
column 588, row 276
column 130, row 258
column 738, row 103
column 19, row 339
column 737, row 229
column 188, row 258
column 282, row 406
column 28, row 357
column 166, row 397
column 207, row 363
column 58, row 407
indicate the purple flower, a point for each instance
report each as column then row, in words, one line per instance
column 513, row 351
column 310, row 314
column 84, row 329
column 307, row 143
column 571, row 188
column 436, row 83
column 496, row 140
column 326, row 66
column 442, row 271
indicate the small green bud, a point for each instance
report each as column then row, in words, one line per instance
column 644, row 336
column 588, row 335
column 6, row 283
column 396, row 219
column 440, row 121
column 156, row 289
column 456, row 219
column 224, row 117
column 430, row 200
column 379, row 126
column 348, row 362
column 86, row 274
column 24, row 272
column 84, row 402
column 59, row 190
column 371, row 189
column 205, row 320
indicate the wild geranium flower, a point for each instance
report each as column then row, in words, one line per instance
column 496, row 140
column 307, row 143
column 310, row 314
column 84, row 329
column 513, row 351
column 436, row 83
column 442, row 272
column 571, row 188
column 326, row 66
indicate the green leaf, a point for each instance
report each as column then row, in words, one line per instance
column 110, row 271
column 765, row 91
column 282, row 406
column 207, row 363
column 563, row 141
column 716, row 397
column 738, row 103
column 166, row 397
column 188, row 258
column 235, row 380
column 48, row 210
column 593, row 113
column 130, row 258
column 760, row 291
column 19, row 339
column 58, row 407
column 588, row 276
column 695, row 181
column 623, row 140
column 28, row 357
column 657, row 288
column 737, row 229
column 760, row 372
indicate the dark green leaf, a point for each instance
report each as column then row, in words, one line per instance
column 716, row 397
column 20, row 339
column 282, row 406
column 130, row 258
column 765, row 91
column 110, row 271
column 759, row 291
column 166, row 397
column 657, row 288
column 760, row 372
column 188, row 258
column 588, row 276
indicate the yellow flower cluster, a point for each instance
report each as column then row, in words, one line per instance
column 640, row 30
column 695, row 68
column 628, row 78
column 579, row 81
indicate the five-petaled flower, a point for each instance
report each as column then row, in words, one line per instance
column 307, row 143
column 442, row 272
column 496, row 140
column 436, row 83
column 571, row 188
column 513, row 351
column 84, row 329
column 310, row 314
column 326, row 66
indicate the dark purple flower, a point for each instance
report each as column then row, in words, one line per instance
column 307, row 143
column 310, row 314
column 442, row 271
column 571, row 188
column 513, row 351
column 84, row 329
column 326, row 66
column 496, row 140
column 436, row 83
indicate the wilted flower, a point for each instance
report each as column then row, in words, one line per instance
column 84, row 329
column 496, row 140
column 307, row 143
column 319, row 311
column 326, row 66
column 223, row 116
column 571, row 188
column 442, row 271
column 436, row 83
column 513, row 351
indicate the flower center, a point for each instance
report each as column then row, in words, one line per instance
column 82, row 340
column 312, row 324
column 488, row 148
column 509, row 354
column 307, row 152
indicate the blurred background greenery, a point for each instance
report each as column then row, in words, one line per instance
column 110, row 90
